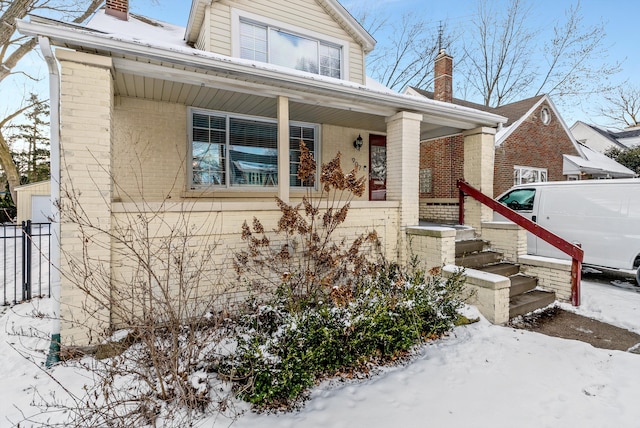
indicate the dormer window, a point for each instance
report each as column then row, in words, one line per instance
column 267, row 43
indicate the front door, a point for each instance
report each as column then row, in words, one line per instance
column 378, row 168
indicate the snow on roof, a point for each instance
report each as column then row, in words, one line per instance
column 148, row 37
column 141, row 29
column 152, row 32
column 596, row 162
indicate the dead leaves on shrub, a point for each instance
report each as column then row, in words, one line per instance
column 302, row 253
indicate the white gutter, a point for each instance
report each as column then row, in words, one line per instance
column 256, row 72
column 54, row 116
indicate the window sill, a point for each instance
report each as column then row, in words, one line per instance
column 223, row 193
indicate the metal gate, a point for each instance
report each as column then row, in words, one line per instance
column 25, row 272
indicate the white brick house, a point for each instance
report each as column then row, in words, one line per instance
column 207, row 119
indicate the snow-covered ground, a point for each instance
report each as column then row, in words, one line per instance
column 481, row 375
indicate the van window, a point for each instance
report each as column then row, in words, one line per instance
column 519, row 199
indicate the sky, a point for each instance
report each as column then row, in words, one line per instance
column 480, row 375
column 618, row 16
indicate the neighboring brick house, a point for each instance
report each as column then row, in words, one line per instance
column 152, row 120
column 533, row 145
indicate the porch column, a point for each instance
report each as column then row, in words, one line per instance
column 403, row 170
column 283, row 148
column 479, row 152
column 85, row 186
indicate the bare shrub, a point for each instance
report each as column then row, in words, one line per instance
column 305, row 260
column 155, row 306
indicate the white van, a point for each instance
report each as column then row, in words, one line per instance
column 603, row 216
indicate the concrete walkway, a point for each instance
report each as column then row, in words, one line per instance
column 567, row 325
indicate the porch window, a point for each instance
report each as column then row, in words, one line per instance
column 260, row 42
column 526, row 174
column 235, row 151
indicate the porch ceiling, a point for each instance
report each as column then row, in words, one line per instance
column 215, row 98
column 303, row 108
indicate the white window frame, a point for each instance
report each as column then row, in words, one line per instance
column 518, row 173
column 227, row 184
column 241, row 15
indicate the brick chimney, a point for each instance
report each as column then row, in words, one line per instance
column 118, row 8
column 443, row 77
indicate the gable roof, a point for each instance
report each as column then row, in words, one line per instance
column 515, row 113
column 520, row 109
column 333, row 8
column 512, row 111
column 609, row 135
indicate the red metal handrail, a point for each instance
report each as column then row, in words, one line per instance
column 576, row 253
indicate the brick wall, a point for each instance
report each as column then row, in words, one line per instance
column 434, row 246
column 85, row 182
column 506, row 238
column 445, row 158
column 214, row 229
column 533, row 144
column 553, row 274
column 439, row 210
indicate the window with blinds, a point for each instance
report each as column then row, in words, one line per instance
column 237, row 151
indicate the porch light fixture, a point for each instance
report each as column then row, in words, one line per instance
column 358, row 142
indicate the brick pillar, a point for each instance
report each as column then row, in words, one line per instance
column 403, row 170
column 85, row 158
column 478, row 171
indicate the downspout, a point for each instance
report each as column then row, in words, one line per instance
column 54, row 98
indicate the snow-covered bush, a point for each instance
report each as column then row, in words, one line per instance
column 281, row 352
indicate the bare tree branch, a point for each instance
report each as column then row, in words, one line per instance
column 15, row 57
column 623, row 105
column 13, row 49
column 572, row 59
column 407, row 56
column 499, row 53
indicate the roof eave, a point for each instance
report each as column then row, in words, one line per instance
column 193, row 27
column 91, row 40
column 368, row 42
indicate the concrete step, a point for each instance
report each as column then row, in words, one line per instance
column 464, row 233
column 469, row 246
column 521, row 284
column 478, row 259
column 504, row 268
column 529, row 302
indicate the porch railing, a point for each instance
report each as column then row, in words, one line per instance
column 576, row 253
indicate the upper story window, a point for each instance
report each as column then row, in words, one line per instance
column 236, row 151
column 261, row 42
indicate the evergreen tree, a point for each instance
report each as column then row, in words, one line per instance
column 629, row 157
column 30, row 143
